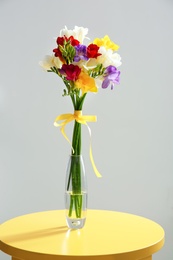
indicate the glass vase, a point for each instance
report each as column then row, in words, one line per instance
column 76, row 193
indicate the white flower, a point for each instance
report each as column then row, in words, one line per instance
column 91, row 64
column 108, row 57
column 79, row 33
column 98, row 81
column 50, row 61
column 81, row 64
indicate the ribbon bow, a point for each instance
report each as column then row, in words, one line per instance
column 67, row 118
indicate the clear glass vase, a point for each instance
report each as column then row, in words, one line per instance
column 76, row 193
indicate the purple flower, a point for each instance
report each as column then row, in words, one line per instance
column 81, row 53
column 111, row 77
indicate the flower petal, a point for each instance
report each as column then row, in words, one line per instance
column 105, row 83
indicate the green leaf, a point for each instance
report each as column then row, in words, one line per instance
column 97, row 71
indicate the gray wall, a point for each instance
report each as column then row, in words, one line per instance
column 133, row 138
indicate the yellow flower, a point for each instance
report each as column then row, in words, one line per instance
column 85, row 83
column 106, row 42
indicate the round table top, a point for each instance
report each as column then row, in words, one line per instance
column 44, row 235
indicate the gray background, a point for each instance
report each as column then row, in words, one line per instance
column 133, row 138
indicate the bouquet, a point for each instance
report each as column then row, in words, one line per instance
column 83, row 68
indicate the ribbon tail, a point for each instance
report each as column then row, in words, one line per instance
column 65, row 136
column 90, row 118
column 91, row 156
column 82, row 120
column 66, row 117
column 93, row 164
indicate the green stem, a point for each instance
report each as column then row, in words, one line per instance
column 76, row 143
column 75, row 170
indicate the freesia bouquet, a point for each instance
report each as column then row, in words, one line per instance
column 83, row 68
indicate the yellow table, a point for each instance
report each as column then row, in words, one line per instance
column 107, row 235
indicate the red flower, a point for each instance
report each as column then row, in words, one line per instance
column 92, row 51
column 61, row 40
column 71, row 71
column 57, row 52
column 73, row 41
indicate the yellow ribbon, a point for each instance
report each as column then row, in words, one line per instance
column 67, row 118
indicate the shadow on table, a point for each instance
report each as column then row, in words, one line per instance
column 36, row 234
